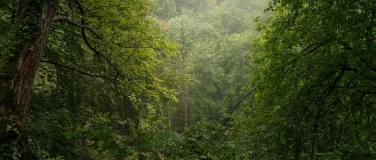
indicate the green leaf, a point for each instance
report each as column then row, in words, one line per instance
column 129, row 138
column 134, row 131
column 69, row 135
column 154, row 119
column 201, row 145
column 142, row 145
column 100, row 143
column 166, row 122
column 114, row 150
column 115, row 117
column 161, row 137
column 108, row 120
column 146, row 138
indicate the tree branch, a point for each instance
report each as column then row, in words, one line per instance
column 308, row 50
column 76, row 70
column 347, row 46
column 58, row 141
column 66, row 19
column 84, row 36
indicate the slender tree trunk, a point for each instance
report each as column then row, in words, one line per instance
column 19, row 62
column 185, row 104
column 175, row 120
column 185, row 90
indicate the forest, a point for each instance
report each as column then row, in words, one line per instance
column 187, row 79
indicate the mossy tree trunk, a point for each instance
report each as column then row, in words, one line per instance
column 18, row 64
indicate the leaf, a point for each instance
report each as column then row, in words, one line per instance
column 142, row 145
column 108, row 120
column 129, row 138
column 100, row 143
column 201, row 146
column 154, row 119
column 114, row 151
column 146, row 138
column 161, row 137
column 86, row 128
column 69, row 135
column 166, row 122
column 134, row 131
column 115, row 117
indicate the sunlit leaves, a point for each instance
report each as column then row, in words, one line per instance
column 115, row 72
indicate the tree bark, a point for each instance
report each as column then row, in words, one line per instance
column 19, row 62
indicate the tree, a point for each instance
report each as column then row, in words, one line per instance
column 313, row 73
column 181, row 32
column 20, row 60
column 165, row 9
column 117, row 45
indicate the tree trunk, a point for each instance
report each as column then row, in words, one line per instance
column 185, row 104
column 18, row 64
column 185, row 90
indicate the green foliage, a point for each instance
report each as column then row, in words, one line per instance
column 206, row 140
column 5, row 31
column 195, row 142
column 8, row 148
column 103, row 139
column 312, row 70
column 125, row 91
column 214, row 57
column 116, row 73
column 9, row 151
column 314, row 96
column 165, row 9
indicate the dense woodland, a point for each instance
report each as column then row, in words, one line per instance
column 187, row 79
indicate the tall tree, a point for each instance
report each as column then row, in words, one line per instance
column 116, row 44
column 181, row 32
column 314, row 72
column 19, row 62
